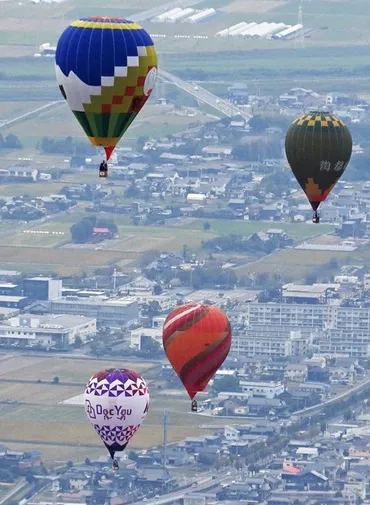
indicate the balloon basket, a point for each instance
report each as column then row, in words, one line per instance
column 115, row 465
column 194, row 406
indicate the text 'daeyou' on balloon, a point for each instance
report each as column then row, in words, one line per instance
column 318, row 147
column 116, row 403
column 196, row 340
column 106, row 69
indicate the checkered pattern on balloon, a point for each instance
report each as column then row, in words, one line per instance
column 107, row 97
column 120, row 435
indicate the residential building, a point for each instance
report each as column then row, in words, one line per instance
column 47, row 331
column 296, row 373
column 270, row 341
column 138, row 334
column 262, row 389
column 110, row 312
column 14, row 302
column 24, row 172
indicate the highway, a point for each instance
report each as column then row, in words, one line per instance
column 201, row 94
column 34, row 112
column 196, row 91
column 203, row 483
column 13, row 491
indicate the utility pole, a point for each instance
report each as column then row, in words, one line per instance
column 300, row 22
column 114, row 281
column 165, row 425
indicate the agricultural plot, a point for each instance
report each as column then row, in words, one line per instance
column 68, row 370
column 224, row 227
column 59, row 260
column 292, row 264
column 33, row 189
column 253, row 6
column 59, row 430
column 154, row 120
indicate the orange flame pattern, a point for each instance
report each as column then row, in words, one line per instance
column 314, row 193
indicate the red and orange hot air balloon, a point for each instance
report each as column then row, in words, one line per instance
column 196, row 340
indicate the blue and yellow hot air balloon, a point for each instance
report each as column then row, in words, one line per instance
column 106, row 69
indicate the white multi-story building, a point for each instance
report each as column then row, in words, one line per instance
column 138, row 334
column 335, row 329
column 111, row 312
column 263, row 389
column 47, row 331
column 286, row 314
column 271, row 341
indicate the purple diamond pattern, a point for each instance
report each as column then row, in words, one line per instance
column 118, row 434
column 116, row 388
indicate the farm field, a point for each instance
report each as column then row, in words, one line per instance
column 153, row 120
column 67, row 369
column 223, row 227
column 33, row 189
column 58, row 430
column 58, row 260
column 292, row 263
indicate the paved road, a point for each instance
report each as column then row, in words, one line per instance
column 22, row 483
column 311, row 410
column 201, row 94
column 203, row 483
column 32, row 113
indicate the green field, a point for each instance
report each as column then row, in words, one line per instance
column 226, row 227
column 40, row 422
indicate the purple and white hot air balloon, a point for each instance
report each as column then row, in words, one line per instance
column 116, row 403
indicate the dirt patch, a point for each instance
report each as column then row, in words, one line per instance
column 253, row 6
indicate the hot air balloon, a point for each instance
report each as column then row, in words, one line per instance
column 196, row 340
column 106, row 69
column 116, row 403
column 318, row 147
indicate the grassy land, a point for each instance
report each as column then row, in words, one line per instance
column 292, row 263
column 43, row 422
column 154, row 120
column 225, row 227
column 68, row 370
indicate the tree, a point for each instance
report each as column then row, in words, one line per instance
column 78, row 342
column 228, row 383
column 12, row 142
column 69, row 464
column 157, row 289
column 347, row 415
column 206, row 226
column 258, row 124
column 82, row 231
column 149, row 345
column 56, row 380
column 87, row 462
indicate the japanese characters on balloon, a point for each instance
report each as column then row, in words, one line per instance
column 318, row 148
column 106, row 69
column 116, row 404
column 196, row 340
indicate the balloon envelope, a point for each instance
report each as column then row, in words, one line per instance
column 318, row 147
column 196, row 340
column 106, row 69
column 116, row 403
